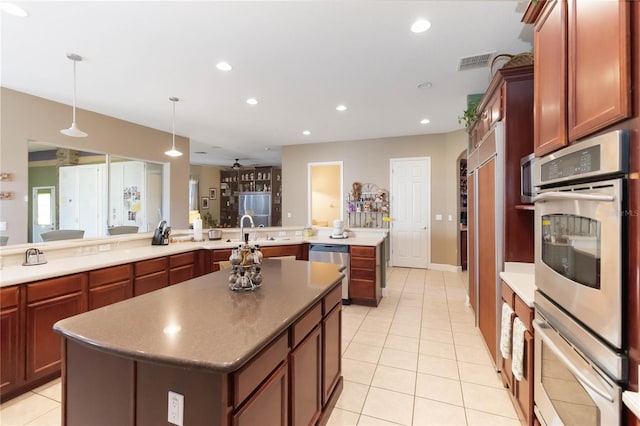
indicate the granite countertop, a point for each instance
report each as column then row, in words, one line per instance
column 117, row 254
column 521, row 279
column 219, row 330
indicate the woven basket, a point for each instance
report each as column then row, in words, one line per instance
column 525, row 58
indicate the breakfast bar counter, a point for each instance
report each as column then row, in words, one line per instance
column 269, row 356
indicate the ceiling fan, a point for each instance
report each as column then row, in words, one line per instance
column 236, row 165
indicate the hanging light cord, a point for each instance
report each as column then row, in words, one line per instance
column 74, row 90
column 174, row 124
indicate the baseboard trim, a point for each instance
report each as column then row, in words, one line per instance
column 445, row 267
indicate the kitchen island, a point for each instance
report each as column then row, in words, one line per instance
column 271, row 356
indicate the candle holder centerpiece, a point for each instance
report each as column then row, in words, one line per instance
column 245, row 267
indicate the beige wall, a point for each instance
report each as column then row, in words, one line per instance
column 26, row 118
column 325, row 203
column 367, row 161
column 208, row 177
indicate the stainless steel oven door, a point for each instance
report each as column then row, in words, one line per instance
column 569, row 390
column 578, row 253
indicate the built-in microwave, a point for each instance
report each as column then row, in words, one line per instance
column 527, row 192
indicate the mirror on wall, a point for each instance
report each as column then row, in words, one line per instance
column 325, row 193
column 82, row 194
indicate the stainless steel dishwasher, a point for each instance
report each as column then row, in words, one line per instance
column 337, row 254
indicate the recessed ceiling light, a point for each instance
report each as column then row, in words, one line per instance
column 199, row 152
column 341, row 108
column 223, row 66
column 306, row 132
column 425, row 85
column 420, row 26
column 252, row 101
column 425, row 121
column 13, row 9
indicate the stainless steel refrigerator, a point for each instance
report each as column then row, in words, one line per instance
column 257, row 205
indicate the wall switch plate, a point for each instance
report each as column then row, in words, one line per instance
column 438, row 217
column 175, row 409
column 3, row 225
column 298, row 233
column 450, row 218
column 282, row 233
column 289, row 215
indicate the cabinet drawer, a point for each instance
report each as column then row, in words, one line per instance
column 524, row 312
column 361, row 288
column 332, row 299
column 110, row 275
column 109, row 294
column 359, row 262
column 507, row 294
column 219, row 255
column 55, row 287
column 361, row 251
column 304, row 325
column 181, row 274
column 249, row 377
column 292, row 250
column 150, row 282
column 182, row 259
column 9, row 297
column 367, row 274
column 146, row 267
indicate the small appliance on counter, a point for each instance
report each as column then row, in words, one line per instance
column 215, row 234
column 338, row 230
column 161, row 234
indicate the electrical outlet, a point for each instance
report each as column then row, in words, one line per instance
column 450, row 218
column 289, row 215
column 438, row 217
column 298, row 233
column 175, row 409
column 3, row 225
column 282, row 233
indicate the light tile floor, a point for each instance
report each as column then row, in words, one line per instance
column 416, row 359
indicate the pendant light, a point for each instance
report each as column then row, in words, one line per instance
column 73, row 131
column 173, row 152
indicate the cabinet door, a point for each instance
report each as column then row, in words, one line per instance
column 471, row 228
column 150, row 282
column 305, row 368
column 181, row 274
column 524, row 387
column 550, row 83
column 9, row 339
column 487, row 309
column 331, row 351
column 43, row 345
column 269, row 405
column 599, row 65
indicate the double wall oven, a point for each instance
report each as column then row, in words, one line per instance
column 580, row 232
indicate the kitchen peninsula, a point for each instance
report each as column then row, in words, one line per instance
column 271, row 356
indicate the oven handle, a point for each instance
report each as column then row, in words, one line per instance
column 541, row 328
column 556, row 195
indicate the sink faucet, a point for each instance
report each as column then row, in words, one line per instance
column 246, row 216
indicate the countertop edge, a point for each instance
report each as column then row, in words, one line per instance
column 17, row 275
column 523, row 284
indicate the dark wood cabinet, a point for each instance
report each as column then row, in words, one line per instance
column 331, row 350
column 182, row 267
column 110, row 285
column 269, row 405
column 364, row 275
column 487, row 261
column 49, row 301
column 498, row 231
column 150, row 275
column 10, row 338
column 522, row 390
column 583, row 77
column 305, row 364
column 550, row 83
column 599, row 65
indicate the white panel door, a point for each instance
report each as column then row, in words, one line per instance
column 410, row 212
column 44, row 211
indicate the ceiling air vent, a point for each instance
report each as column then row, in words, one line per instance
column 475, row 61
